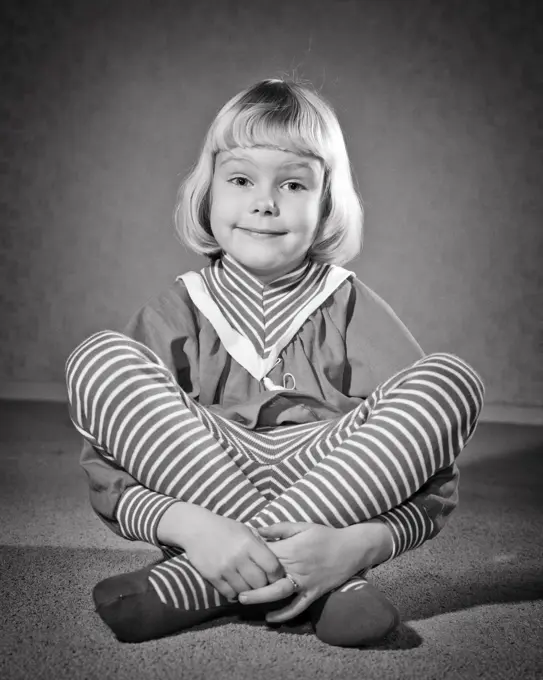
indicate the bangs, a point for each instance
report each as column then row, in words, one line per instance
column 273, row 115
column 286, row 116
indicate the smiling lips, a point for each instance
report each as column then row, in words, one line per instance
column 262, row 233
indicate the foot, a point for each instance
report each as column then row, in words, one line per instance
column 130, row 606
column 354, row 615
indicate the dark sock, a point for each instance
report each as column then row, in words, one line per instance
column 130, row 606
column 354, row 615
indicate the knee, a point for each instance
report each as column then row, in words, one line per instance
column 93, row 360
column 456, row 376
column 89, row 349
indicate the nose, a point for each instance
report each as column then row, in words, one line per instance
column 265, row 204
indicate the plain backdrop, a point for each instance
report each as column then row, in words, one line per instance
column 104, row 106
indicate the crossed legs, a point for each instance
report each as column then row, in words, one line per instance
column 129, row 406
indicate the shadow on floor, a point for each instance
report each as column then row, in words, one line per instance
column 52, row 584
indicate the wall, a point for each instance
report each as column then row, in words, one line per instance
column 105, row 106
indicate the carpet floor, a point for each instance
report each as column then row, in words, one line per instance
column 471, row 600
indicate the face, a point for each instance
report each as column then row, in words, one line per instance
column 265, row 206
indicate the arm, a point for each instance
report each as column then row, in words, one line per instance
column 378, row 345
column 320, row 558
column 424, row 515
column 125, row 506
column 225, row 552
column 406, row 527
column 129, row 509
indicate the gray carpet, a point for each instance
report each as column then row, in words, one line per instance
column 471, row 600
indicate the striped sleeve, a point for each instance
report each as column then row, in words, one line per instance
column 126, row 507
column 139, row 512
column 422, row 517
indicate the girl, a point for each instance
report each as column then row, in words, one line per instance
column 268, row 422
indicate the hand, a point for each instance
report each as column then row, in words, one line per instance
column 319, row 559
column 316, row 558
column 230, row 555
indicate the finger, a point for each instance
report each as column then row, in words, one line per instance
column 280, row 530
column 225, row 589
column 271, row 593
column 298, row 605
column 236, row 581
column 260, row 554
column 253, row 575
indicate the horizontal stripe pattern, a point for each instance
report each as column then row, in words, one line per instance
column 410, row 527
column 365, row 464
column 157, row 438
column 356, row 583
column 262, row 312
column 139, row 513
column 379, row 467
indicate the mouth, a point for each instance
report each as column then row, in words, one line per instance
column 262, row 233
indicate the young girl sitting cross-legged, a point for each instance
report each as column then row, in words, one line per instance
column 268, row 422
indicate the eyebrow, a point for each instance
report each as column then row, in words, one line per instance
column 303, row 165
column 297, row 164
column 232, row 159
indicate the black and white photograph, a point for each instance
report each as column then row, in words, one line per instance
column 271, row 346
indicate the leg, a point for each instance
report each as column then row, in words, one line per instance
column 374, row 459
column 409, row 428
column 120, row 363
column 129, row 406
column 364, row 464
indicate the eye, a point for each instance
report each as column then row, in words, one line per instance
column 239, row 181
column 295, row 186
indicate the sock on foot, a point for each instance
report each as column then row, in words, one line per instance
column 354, row 615
column 131, row 607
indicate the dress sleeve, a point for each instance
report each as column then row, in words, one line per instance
column 424, row 515
column 127, row 507
column 378, row 345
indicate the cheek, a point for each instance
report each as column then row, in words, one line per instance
column 223, row 207
column 215, row 213
column 312, row 216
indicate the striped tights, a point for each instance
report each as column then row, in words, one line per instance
column 128, row 405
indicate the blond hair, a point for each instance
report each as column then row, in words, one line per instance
column 284, row 115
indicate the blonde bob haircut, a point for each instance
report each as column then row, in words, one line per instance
column 279, row 114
